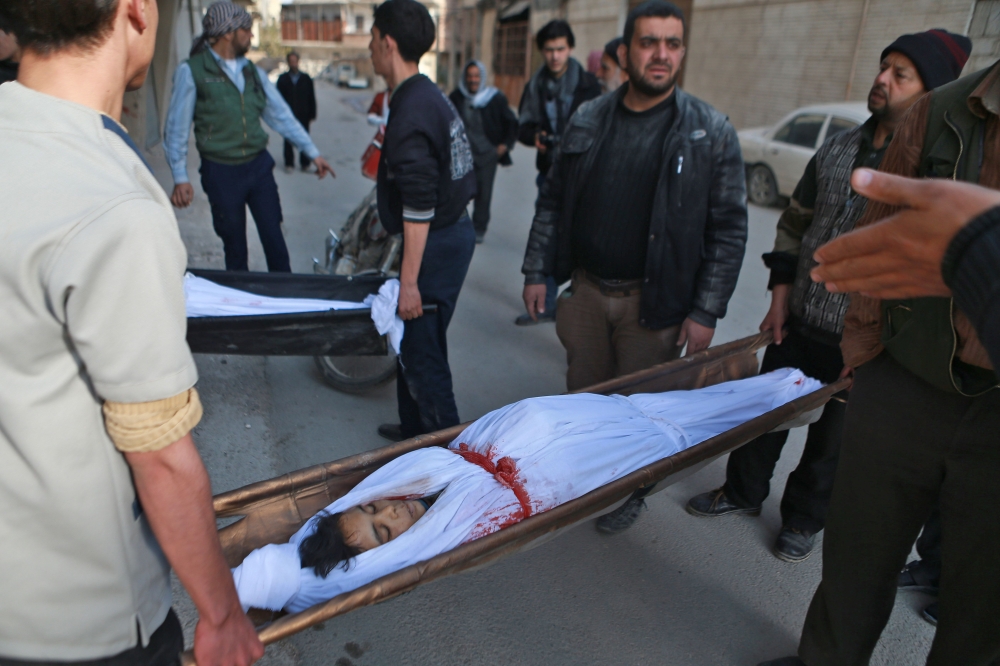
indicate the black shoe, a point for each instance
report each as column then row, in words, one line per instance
column 784, row 661
column 916, row 577
column 715, row 503
column 930, row 613
column 793, row 545
column 392, row 432
column 526, row 320
column 621, row 518
column 480, row 237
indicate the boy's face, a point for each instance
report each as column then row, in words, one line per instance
column 556, row 53
column 380, row 49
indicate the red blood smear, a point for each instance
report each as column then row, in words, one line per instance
column 504, row 471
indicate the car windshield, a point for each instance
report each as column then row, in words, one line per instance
column 801, row 130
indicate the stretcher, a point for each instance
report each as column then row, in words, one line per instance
column 271, row 511
column 330, row 333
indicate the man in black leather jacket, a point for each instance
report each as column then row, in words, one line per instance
column 645, row 209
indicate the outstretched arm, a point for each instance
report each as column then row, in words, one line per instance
column 279, row 116
column 175, row 493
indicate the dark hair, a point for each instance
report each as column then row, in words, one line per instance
column 409, row 23
column 293, row 53
column 46, row 26
column 325, row 549
column 652, row 9
column 611, row 49
column 555, row 29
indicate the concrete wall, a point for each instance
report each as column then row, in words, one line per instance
column 984, row 30
column 594, row 22
column 759, row 59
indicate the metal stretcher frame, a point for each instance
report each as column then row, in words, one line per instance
column 274, row 509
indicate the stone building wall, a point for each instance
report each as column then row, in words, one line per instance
column 756, row 60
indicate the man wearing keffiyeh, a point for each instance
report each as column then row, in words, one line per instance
column 225, row 97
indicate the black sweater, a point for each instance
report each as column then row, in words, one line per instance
column 971, row 268
column 425, row 174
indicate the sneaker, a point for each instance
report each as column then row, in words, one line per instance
column 916, row 577
column 793, row 545
column 480, row 237
column 289, row 169
column 391, row 431
column 621, row 518
column 784, row 661
column 715, row 503
column 931, row 613
column 526, row 320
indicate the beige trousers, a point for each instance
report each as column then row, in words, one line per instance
column 603, row 338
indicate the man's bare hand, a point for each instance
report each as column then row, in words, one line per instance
column 323, row 167
column 777, row 315
column 900, row 257
column 696, row 336
column 542, row 148
column 534, row 300
column 501, row 150
column 410, row 304
column 231, row 643
column 183, row 195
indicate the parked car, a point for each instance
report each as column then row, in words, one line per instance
column 345, row 72
column 776, row 157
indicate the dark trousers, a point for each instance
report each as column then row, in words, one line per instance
column 486, row 172
column 807, row 492
column 290, row 149
column 908, row 446
column 233, row 187
column 423, row 378
column 929, row 549
column 551, row 288
column 164, row 649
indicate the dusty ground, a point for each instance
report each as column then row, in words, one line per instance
column 673, row 590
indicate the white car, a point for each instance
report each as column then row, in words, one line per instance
column 776, row 157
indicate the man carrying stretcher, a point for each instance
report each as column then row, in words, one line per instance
column 513, row 463
column 101, row 487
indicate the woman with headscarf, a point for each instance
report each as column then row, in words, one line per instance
column 491, row 127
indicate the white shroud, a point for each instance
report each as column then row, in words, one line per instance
column 558, row 448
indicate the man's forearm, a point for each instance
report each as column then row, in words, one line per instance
column 414, row 242
column 176, row 496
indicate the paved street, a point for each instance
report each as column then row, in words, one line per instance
column 673, row 590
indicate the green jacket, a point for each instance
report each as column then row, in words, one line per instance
column 227, row 125
column 920, row 332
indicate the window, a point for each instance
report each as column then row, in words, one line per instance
column 359, row 23
column 801, row 130
column 838, row 125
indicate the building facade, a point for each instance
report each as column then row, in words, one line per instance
column 755, row 60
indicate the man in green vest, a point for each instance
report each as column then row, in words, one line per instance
column 921, row 428
column 226, row 96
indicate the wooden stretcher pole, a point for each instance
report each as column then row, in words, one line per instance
column 506, row 541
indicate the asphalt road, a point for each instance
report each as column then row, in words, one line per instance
column 673, row 590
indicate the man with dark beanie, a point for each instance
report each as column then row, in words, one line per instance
column 822, row 207
column 921, row 425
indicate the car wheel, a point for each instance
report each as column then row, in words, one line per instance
column 762, row 187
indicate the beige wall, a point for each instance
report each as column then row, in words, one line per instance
column 756, row 60
column 594, row 23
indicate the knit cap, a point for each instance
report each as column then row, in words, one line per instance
column 938, row 55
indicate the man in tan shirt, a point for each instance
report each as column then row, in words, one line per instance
column 101, row 486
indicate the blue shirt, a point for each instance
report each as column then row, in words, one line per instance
column 180, row 115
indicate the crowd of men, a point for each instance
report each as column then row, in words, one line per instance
column 641, row 210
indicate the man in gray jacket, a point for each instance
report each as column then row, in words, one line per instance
column 645, row 209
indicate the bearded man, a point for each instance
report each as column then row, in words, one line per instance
column 645, row 209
